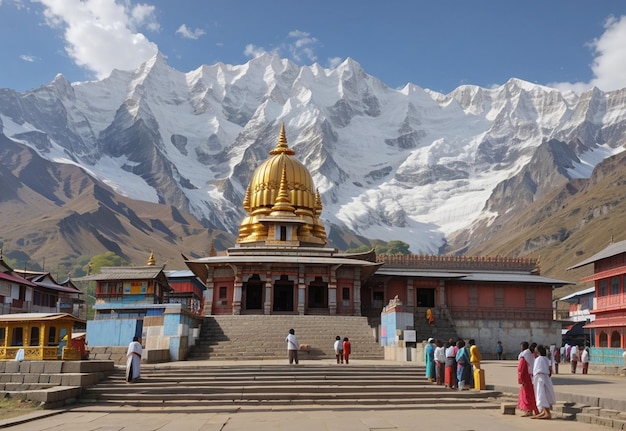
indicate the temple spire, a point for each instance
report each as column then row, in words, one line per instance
column 281, row 145
column 151, row 259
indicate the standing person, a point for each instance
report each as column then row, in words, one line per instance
column 584, row 359
column 347, row 349
column 292, row 346
column 573, row 357
column 463, row 370
column 557, row 359
column 544, row 391
column 450, row 379
column 440, row 361
column 429, row 359
column 338, row 346
column 475, row 358
column 499, row 350
column 133, row 360
column 526, row 399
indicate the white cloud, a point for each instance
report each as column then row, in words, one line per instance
column 188, row 33
column 102, row 35
column 299, row 45
column 609, row 61
column 333, row 62
column 29, row 58
column 253, row 51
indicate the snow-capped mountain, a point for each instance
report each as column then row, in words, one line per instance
column 408, row 163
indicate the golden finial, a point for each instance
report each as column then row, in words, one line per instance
column 151, row 260
column 282, row 203
column 281, row 145
column 318, row 202
column 246, row 199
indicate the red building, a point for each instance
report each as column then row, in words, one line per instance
column 609, row 306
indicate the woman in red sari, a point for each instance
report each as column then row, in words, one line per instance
column 526, row 399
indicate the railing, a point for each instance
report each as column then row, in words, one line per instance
column 38, row 353
column 611, row 302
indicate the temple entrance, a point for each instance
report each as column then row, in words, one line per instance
column 283, row 294
column 318, row 294
column 425, row 297
column 253, row 291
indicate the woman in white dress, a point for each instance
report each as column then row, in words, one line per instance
column 542, row 381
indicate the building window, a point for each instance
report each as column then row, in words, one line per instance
column 52, row 336
column 602, row 287
column 473, row 296
column 498, row 297
column 378, row 300
column 615, row 285
column 345, row 294
column 603, row 340
column 615, row 339
column 17, row 337
column 283, row 233
column 223, row 292
column 530, row 298
column 34, row 336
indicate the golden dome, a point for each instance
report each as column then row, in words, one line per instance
column 282, row 192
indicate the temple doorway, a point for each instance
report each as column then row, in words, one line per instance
column 318, row 294
column 425, row 297
column 253, row 290
column 283, row 294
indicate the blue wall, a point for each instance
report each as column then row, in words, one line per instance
column 606, row 356
column 119, row 332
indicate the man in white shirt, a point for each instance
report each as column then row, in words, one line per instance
column 292, row 346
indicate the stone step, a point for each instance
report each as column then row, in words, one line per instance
column 276, row 385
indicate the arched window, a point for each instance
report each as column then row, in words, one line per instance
column 603, row 340
column 52, row 336
column 34, row 336
column 615, row 339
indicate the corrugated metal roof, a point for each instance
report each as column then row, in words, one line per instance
column 579, row 293
column 125, row 273
column 515, row 278
column 17, row 317
column 16, row 279
column 404, row 272
column 611, row 250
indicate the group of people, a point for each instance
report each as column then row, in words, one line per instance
column 534, row 374
column 574, row 354
column 342, row 348
column 452, row 363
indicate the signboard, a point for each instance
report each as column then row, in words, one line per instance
column 410, row 336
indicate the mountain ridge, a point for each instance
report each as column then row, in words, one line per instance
column 408, row 163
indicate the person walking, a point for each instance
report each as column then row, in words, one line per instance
column 292, row 346
column 338, row 346
column 526, row 398
column 347, row 349
column 133, row 360
column 429, row 359
column 584, row 359
column 544, row 390
column 499, row 350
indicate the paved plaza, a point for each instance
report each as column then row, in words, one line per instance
column 502, row 375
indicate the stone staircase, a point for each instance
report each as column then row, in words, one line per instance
column 191, row 388
column 443, row 328
column 263, row 337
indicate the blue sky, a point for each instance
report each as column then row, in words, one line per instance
column 568, row 44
